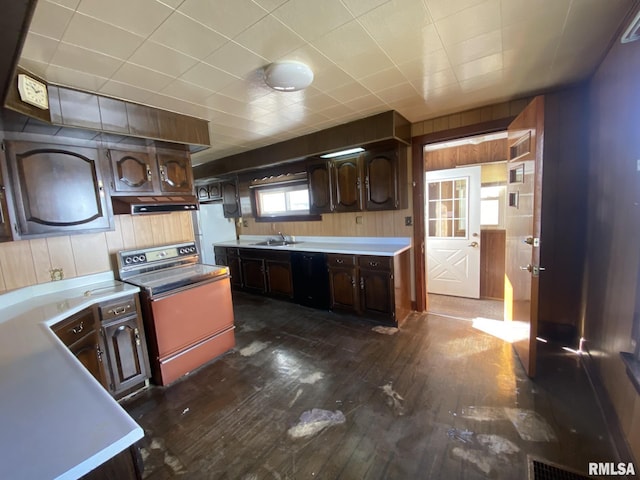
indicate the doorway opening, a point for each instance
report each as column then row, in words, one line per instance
column 465, row 203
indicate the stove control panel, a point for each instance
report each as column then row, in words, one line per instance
column 154, row 255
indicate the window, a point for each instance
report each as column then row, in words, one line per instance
column 447, row 208
column 279, row 201
column 491, row 200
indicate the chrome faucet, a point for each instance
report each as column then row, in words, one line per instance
column 283, row 236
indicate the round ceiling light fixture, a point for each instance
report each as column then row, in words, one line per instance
column 288, row 76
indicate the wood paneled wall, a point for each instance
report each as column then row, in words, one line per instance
column 492, row 257
column 29, row 262
column 452, row 157
column 613, row 251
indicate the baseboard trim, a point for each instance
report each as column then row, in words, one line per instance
column 616, row 434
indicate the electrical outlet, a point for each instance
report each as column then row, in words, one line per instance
column 359, row 219
column 408, row 221
column 56, row 274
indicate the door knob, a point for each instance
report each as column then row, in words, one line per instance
column 535, row 270
column 528, row 268
column 473, row 244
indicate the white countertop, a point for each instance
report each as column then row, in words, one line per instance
column 383, row 246
column 56, row 420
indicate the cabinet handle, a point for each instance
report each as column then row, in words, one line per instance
column 119, row 310
column 361, row 283
column 137, row 334
column 163, row 174
column 149, row 176
column 101, row 188
column 339, row 260
column 78, row 329
column 99, row 353
column 358, row 186
column 366, row 182
column 353, row 282
column 373, row 264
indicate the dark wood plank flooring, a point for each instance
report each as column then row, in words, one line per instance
column 437, row 399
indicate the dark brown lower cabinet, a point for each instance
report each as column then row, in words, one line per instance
column 253, row 274
column 343, row 285
column 376, row 293
column 80, row 334
column 125, row 346
column 127, row 465
column 279, row 278
column 230, row 257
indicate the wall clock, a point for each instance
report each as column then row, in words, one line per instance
column 33, row 91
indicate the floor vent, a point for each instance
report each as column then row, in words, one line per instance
column 544, row 470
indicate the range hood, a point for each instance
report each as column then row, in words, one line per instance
column 155, row 204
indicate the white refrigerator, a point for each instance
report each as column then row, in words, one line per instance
column 210, row 227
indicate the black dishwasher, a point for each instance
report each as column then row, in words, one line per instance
column 310, row 279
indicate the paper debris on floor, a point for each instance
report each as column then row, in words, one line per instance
column 314, row 421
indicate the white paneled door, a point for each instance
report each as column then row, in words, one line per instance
column 453, row 231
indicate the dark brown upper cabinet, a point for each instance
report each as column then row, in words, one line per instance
column 375, row 180
column 133, row 172
column 381, row 180
column 347, row 181
column 320, row 186
column 174, row 167
column 57, row 189
column 230, row 198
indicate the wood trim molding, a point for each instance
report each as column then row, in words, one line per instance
column 418, row 169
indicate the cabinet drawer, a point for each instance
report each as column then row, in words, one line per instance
column 336, row 260
column 119, row 308
column 233, row 252
column 75, row 328
column 375, row 263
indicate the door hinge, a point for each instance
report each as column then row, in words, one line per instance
column 533, row 241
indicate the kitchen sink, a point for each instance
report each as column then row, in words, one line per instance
column 275, row 243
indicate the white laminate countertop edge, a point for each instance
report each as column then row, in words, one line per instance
column 58, row 421
column 382, row 246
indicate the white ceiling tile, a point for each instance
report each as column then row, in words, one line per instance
column 72, row 4
column 270, row 5
column 349, row 91
column 383, row 79
column 359, row 7
column 520, row 11
column 320, row 101
column 50, row 19
column 172, row 3
column 336, row 111
column 186, row 91
column 420, row 68
column 226, row 104
column 206, row 76
column 353, row 50
column 477, row 82
column 246, row 91
column 141, row 77
column 74, row 78
column 269, row 38
column 125, row 91
column 440, row 9
column 34, row 66
column 398, row 92
column 312, row 19
column 141, row 17
column 187, row 36
column 469, row 23
column 162, row 59
column 102, row 37
column 476, row 47
column 365, row 103
column 228, row 17
column 481, row 66
column 76, row 58
column 39, row 48
column 432, row 82
column 236, row 60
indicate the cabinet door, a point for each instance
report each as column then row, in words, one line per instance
column 320, row 186
column 175, row 171
column 128, row 362
column 376, row 293
column 235, row 271
column 381, row 180
column 202, row 192
column 279, row 279
column 343, row 288
column 253, row 277
column 347, row 185
column 57, row 189
column 132, row 172
column 230, row 199
column 5, row 222
column 88, row 351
